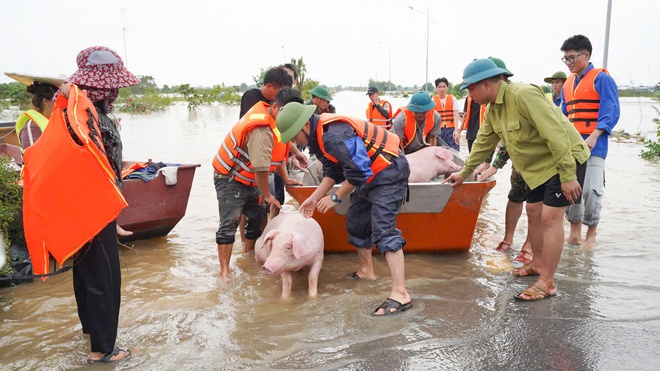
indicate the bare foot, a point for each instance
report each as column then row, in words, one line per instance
column 122, row 232
column 589, row 244
column 573, row 240
column 366, row 276
column 225, row 278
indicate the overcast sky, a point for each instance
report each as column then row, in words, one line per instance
column 342, row 42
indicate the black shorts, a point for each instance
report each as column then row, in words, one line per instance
column 550, row 192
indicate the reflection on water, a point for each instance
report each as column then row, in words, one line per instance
column 177, row 314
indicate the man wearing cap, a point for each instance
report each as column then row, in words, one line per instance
column 367, row 160
column 556, row 82
column 590, row 99
column 247, row 155
column 321, row 99
column 379, row 111
column 417, row 124
column 545, row 149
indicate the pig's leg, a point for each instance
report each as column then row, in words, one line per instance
column 286, row 285
column 313, row 278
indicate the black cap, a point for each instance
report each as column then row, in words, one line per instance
column 372, row 90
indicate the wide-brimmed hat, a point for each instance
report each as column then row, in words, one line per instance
column 28, row 80
column 291, row 118
column 321, row 92
column 102, row 68
column 421, row 101
column 556, row 75
column 480, row 69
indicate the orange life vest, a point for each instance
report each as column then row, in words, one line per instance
column 410, row 126
column 482, row 110
column 583, row 101
column 374, row 115
column 381, row 145
column 446, row 111
column 69, row 192
column 232, row 159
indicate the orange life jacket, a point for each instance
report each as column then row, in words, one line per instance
column 446, row 111
column 232, row 159
column 69, row 192
column 583, row 101
column 466, row 119
column 381, row 145
column 410, row 126
column 374, row 115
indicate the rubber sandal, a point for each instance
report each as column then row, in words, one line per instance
column 503, row 246
column 390, row 304
column 108, row 356
column 535, row 293
column 524, row 257
column 528, row 270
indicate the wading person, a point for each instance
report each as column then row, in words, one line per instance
column 447, row 106
column 417, row 124
column 96, row 272
column 590, row 99
column 374, row 172
column 545, row 149
column 379, row 111
column 248, row 154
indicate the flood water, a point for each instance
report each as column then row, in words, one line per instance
column 178, row 315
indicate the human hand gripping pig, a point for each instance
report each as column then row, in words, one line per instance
column 289, row 243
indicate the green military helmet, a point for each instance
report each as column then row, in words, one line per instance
column 321, row 92
column 500, row 63
column 480, row 69
column 421, row 101
column 556, row 75
column 291, row 119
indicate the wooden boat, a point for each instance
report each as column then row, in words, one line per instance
column 154, row 208
column 435, row 218
column 8, row 134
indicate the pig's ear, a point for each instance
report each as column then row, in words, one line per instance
column 300, row 247
column 444, row 154
column 268, row 239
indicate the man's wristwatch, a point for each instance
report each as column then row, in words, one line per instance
column 335, row 198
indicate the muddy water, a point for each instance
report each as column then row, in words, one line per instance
column 177, row 314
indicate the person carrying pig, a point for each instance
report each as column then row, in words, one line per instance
column 545, row 149
column 417, row 124
column 249, row 152
column 374, row 172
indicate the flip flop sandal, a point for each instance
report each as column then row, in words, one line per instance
column 527, row 268
column 108, row 356
column 535, row 293
column 390, row 304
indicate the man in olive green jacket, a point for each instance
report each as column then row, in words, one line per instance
column 547, row 151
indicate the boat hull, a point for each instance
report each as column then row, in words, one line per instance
column 154, row 208
column 435, row 218
column 8, row 133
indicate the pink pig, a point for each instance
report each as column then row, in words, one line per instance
column 429, row 162
column 289, row 243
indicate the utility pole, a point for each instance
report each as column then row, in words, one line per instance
column 125, row 56
column 428, row 18
column 607, row 33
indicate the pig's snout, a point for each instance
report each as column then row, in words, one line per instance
column 266, row 271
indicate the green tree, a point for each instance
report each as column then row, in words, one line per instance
column 301, row 68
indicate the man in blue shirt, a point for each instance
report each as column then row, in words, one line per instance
column 590, row 99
